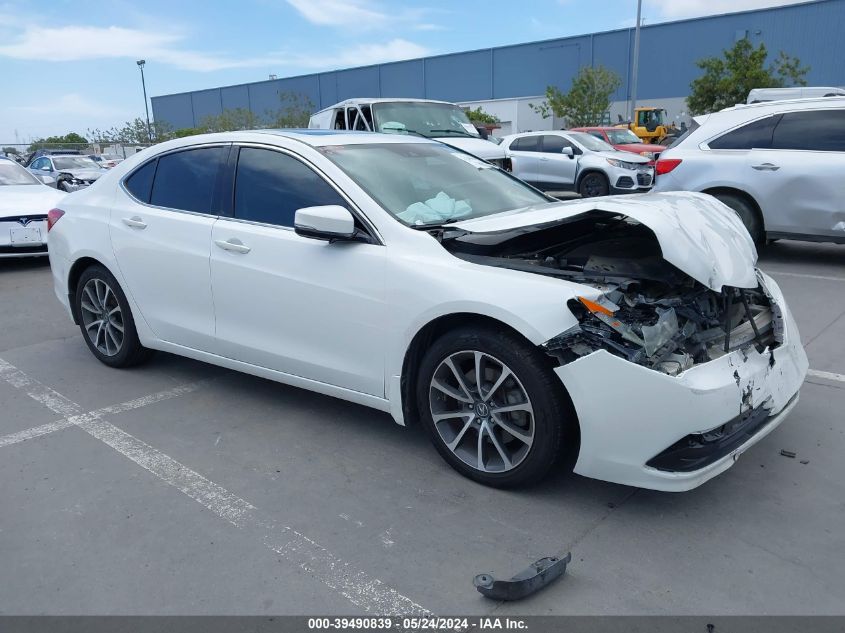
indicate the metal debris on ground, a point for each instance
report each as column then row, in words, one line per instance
column 787, row 453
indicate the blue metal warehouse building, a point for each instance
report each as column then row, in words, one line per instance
column 504, row 80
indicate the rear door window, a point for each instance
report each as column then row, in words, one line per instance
column 754, row 135
column 186, row 180
column 553, row 144
column 140, row 182
column 526, row 144
column 270, row 186
column 819, row 130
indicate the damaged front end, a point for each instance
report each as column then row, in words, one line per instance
column 669, row 329
column 645, row 310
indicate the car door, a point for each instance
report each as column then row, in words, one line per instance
column 801, row 177
column 524, row 152
column 290, row 303
column 556, row 170
column 160, row 229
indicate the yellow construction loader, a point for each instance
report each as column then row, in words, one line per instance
column 651, row 127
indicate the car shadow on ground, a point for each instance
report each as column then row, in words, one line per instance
column 787, row 252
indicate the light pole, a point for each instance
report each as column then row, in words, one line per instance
column 636, row 63
column 141, row 63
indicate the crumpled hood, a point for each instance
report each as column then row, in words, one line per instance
column 479, row 147
column 84, row 174
column 18, row 200
column 697, row 234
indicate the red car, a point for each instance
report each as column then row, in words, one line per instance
column 624, row 140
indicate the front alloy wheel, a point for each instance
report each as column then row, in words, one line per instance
column 493, row 407
column 481, row 411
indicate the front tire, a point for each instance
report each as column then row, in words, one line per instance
column 593, row 185
column 106, row 320
column 493, row 408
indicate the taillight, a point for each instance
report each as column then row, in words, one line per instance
column 53, row 216
column 665, row 165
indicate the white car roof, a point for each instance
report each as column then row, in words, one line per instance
column 371, row 100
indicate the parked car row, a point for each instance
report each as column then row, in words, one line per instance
column 24, row 203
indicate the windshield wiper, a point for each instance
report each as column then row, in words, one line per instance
column 426, row 226
column 461, row 132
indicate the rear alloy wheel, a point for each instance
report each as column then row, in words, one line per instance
column 106, row 321
column 593, row 185
column 492, row 408
column 747, row 213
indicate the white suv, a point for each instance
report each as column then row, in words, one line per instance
column 779, row 165
column 577, row 161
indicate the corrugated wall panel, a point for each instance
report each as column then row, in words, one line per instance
column 235, row 97
column 357, row 82
column 206, row 103
column 814, row 32
column 403, row 79
column 174, row 110
column 328, row 90
column 526, row 70
column 459, row 77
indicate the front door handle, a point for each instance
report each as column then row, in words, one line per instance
column 765, row 167
column 544, row 159
column 135, row 222
column 233, row 245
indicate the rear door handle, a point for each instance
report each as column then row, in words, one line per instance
column 544, row 159
column 765, row 167
column 135, row 222
column 233, row 245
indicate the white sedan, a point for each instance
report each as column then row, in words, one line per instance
column 24, row 204
column 633, row 339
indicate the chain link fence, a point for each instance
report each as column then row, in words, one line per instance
column 25, row 152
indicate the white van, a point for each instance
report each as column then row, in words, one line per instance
column 759, row 95
column 439, row 120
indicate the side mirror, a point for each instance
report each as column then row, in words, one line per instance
column 567, row 151
column 329, row 222
column 46, row 168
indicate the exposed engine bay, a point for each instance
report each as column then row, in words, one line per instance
column 649, row 312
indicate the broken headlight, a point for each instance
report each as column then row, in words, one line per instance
column 666, row 332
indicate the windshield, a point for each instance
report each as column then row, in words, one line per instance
column 428, row 183
column 590, row 142
column 74, row 162
column 622, row 137
column 12, row 174
column 432, row 120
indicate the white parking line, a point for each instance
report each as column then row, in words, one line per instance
column 362, row 590
column 58, row 425
column 805, row 275
column 826, row 375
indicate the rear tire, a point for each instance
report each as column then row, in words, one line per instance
column 501, row 432
column 747, row 213
column 593, row 185
column 106, row 320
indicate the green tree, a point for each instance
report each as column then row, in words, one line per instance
column 230, row 120
column 727, row 80
column 71, row 140
column 480, row 116
column 587, row 100
column 294, row 111
column 132, row 132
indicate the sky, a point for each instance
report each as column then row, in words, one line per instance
column 69, row 65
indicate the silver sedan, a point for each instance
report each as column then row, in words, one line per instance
column 66, row 173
